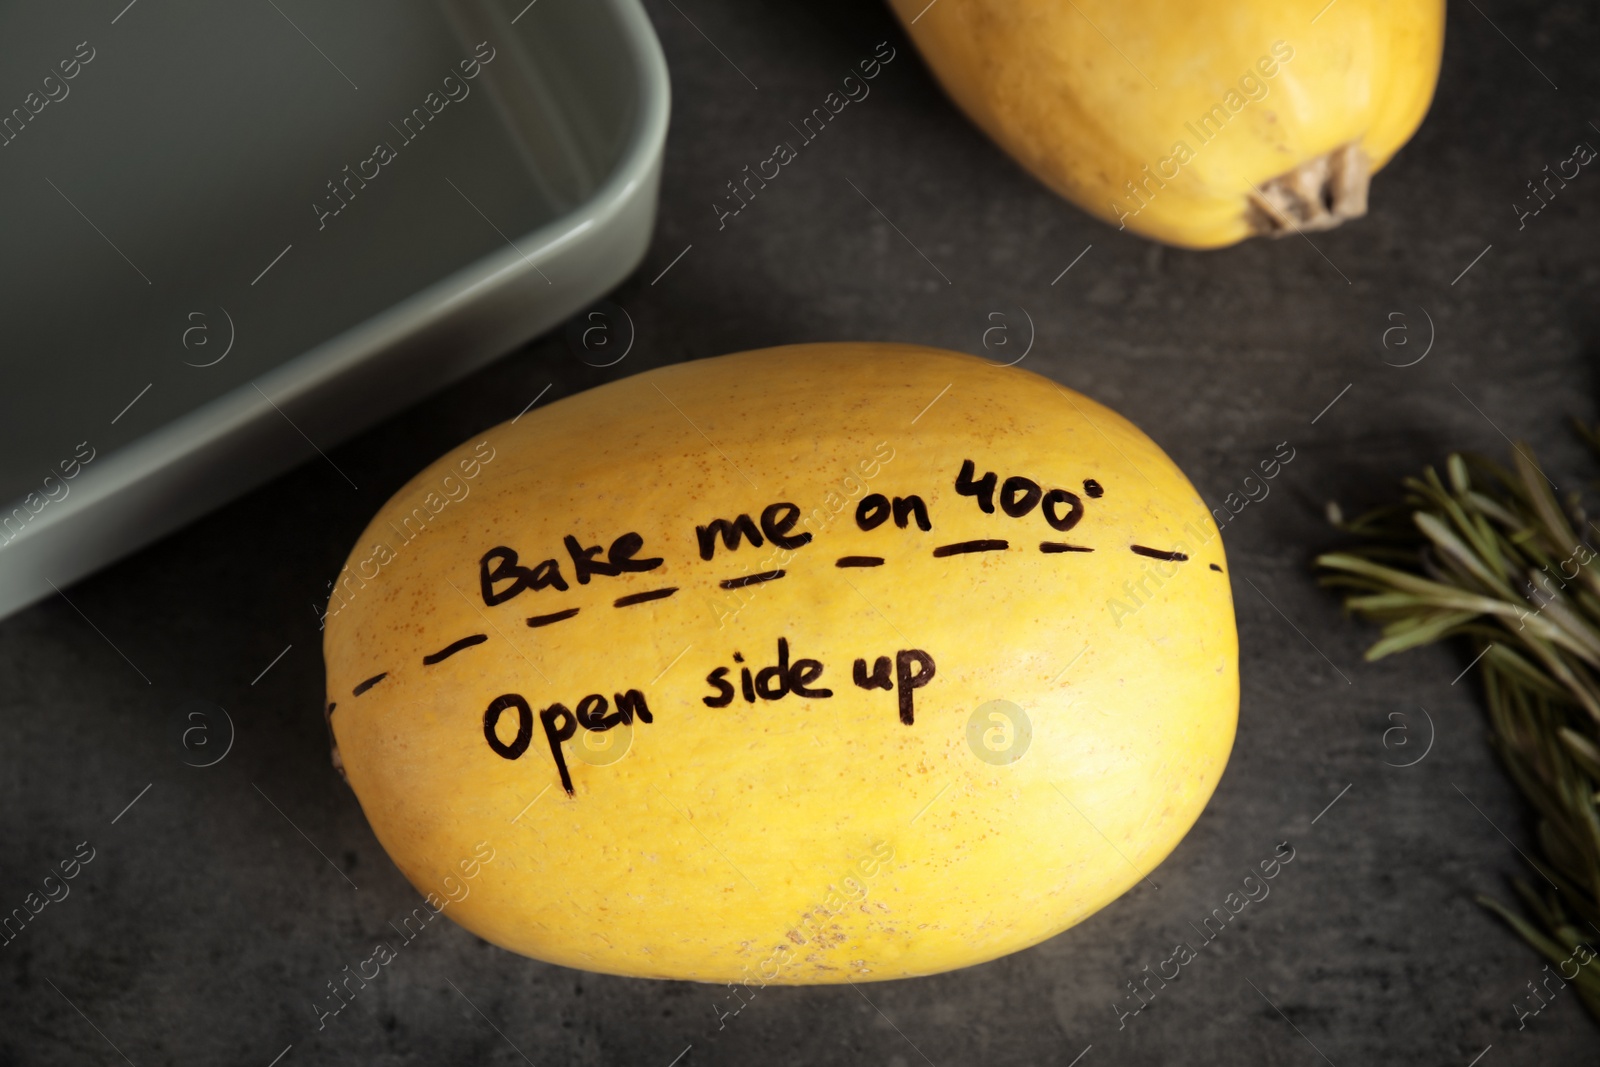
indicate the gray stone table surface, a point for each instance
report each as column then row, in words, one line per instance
column 207, row 922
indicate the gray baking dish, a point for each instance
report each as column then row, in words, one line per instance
column 212, row 271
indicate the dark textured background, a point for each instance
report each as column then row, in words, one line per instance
column 206, row 923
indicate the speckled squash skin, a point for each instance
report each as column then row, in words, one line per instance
column 1086, row 95
column 802, row 838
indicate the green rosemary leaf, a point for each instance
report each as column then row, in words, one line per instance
column 1470, row 559
column 1414, row 632
column 1549, row 948
column 1437, row 592
column 1583, row 750
column 1544, row 502
column 1490, row 553
column 1527, row 675
column 1547, row 910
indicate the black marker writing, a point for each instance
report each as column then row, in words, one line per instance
column 769, row 683
column 554, row 616
column 962, row 548
column 368, row 684
column 875, row 509
column 641, row 598
column 1156, row 553
column 776, row 522
column 452, row 648
column 906, row 680
column 499, row 565
column 560, row 724
column 1019, row 496
column 752, row 579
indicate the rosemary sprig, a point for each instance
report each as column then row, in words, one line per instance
column 1490, row 553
